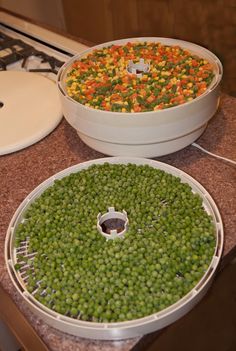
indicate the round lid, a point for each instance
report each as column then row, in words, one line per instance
column 29, row 109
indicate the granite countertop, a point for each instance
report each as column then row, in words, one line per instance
column 22, row 171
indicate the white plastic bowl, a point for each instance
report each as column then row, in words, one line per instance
column 119, row 330
column 143, row 134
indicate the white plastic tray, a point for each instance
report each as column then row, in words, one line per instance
column 119, row 330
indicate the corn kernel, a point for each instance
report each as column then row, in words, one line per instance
column 165, row 73
column 173, row 80
column 162, row 63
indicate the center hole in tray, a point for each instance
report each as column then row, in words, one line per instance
column 138, row 68
column 113, row 224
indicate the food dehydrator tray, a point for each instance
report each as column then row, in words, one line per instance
column 118, row 330
column 143, row 134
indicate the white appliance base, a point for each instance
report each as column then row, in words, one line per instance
column 142, row 150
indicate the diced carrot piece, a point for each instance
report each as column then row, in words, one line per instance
column 137, row 108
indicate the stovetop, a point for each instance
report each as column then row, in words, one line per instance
column 20, row 52
column 13, row 50
column 28, row 47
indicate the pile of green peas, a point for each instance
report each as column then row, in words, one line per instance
column 76, row 272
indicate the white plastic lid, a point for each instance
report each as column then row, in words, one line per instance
column 29, row 109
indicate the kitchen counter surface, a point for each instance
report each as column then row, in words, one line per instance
column 22, row 171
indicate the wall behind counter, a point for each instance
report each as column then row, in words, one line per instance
column 210, row 23
column 43, row 11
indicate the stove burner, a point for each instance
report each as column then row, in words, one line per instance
column 3, row 66
column 43, row 70
column 13, row 50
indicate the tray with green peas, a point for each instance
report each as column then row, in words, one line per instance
column 118, row 288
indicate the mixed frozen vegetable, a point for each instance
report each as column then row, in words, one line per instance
column 100, row 79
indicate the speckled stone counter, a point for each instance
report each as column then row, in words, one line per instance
column 22, row 171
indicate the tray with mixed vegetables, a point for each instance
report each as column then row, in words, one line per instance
column 101, row 79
